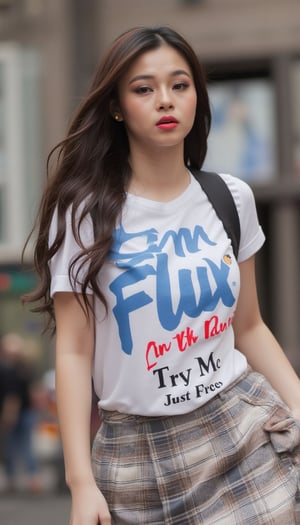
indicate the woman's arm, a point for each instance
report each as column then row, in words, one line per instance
column 257, row 343
column 74, row 356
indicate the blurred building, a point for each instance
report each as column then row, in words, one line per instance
column 251, row 52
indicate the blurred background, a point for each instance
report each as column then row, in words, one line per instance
column 251, row 53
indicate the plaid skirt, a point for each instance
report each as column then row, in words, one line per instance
column 233, row 461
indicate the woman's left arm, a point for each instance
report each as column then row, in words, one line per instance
column 254, row 339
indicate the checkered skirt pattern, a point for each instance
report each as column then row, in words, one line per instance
column 234, row 461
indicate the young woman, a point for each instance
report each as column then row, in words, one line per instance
column 139, row 276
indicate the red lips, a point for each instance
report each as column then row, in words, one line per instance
column 167, row 122
column 167, row 119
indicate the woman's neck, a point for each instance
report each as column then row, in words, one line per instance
column 160, row 177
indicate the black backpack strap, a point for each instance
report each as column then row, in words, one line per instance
column 222, row 200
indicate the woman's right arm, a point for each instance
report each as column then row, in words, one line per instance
column 74, row 357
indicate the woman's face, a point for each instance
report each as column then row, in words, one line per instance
column 157, row 99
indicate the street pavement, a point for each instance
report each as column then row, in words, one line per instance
column 35, row 509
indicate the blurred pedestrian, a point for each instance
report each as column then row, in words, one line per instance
column 17, row 412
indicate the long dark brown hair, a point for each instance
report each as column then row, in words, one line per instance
column 92, row 167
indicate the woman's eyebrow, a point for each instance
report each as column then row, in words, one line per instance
column 151, row 77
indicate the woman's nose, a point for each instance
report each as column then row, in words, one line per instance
column 166, row 105
column 165, row 100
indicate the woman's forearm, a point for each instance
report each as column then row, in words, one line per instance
column 74, row 409
column 256, row 341
column 265, row 355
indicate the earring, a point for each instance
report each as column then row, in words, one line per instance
column 116, row 117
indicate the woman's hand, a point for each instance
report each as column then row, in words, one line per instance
column 296, row 413
column 89, row 506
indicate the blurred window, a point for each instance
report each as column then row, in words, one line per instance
column 2, row 153
column 295, row 88
column 1, row 213
column 20, row 146
column 243, row 133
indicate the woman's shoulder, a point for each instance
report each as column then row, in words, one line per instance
column 252, row 236
column 84, row 226
column 241, row 191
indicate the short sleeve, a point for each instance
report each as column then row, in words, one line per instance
column 67, row 253
column 252, row 235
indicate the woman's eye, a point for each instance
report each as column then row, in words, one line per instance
column 142, row 90
column 180, row 86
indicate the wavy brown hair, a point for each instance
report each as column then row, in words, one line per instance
column 92, row 166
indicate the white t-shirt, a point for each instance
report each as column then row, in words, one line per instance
column 171, row 282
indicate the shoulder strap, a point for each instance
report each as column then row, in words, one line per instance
column 222, row 200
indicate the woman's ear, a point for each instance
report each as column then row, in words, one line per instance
column 115, row 111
